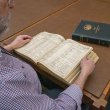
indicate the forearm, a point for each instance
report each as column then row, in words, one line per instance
column 81, row 80
column 9, row 47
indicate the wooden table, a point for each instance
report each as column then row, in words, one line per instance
column 97, row 88
column 28, row 12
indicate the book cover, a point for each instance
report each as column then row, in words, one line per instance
column 92, row 32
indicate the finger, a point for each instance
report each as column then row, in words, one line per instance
column 26, row 36
column 27, row 40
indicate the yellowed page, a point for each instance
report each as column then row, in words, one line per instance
column 41, row 44
column 64, row 58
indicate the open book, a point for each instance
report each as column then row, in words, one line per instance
column 57, row 56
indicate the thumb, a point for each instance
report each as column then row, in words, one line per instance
column 84, row 59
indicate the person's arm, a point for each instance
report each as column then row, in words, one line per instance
column 71, row 98
column 18, row 42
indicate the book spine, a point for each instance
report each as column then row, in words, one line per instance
column 91, row 40
column 105, row 43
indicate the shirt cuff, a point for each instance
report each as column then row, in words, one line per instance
column 75, row 92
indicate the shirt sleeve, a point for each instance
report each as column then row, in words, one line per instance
column 70, row 99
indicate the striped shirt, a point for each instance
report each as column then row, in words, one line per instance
column 20, row 88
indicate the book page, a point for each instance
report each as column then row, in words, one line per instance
column 64, row 58
column 41, row 44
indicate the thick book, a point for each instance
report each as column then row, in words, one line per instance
column 92, row 32
column 56, row 56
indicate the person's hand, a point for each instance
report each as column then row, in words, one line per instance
column 18, row 42
column 87, row 66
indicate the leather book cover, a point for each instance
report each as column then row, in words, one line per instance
column 92, row 32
